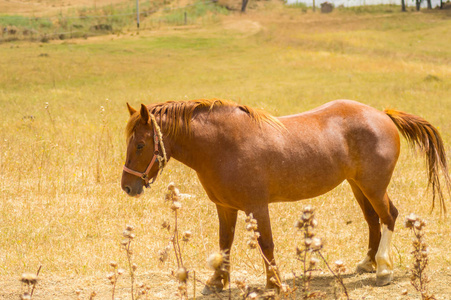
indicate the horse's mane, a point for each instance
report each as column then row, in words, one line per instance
column 179, row 114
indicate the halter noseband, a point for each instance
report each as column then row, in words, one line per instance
column 156, row 156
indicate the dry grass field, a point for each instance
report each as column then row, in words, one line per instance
column 62, row 145
column 45, row 7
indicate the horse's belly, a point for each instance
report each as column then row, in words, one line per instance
column 293, row 188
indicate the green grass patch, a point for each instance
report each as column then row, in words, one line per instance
column 200, row 9
column 21, row 21
column 297, row 5
column 371, row 9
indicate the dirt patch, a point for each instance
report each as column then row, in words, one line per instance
column 245, row 26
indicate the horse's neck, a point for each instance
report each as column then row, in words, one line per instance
column 180, row 147
column 201, row 145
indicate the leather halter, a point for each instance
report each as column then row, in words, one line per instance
column 145, row 175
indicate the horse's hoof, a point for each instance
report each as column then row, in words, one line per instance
column 272, row 287
column 365, row 266
column 364, row 269
column 385, row 279
column 210, row 289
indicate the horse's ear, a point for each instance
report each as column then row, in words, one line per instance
column 144, row 114
column 131, row 110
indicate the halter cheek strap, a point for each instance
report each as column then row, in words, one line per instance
column 156, row 155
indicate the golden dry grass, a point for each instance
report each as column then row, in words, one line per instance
column 61, row 204
column 45, row 7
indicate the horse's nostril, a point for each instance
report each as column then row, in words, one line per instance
column 127, row 189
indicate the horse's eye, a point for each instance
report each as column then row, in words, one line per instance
column 140, row 146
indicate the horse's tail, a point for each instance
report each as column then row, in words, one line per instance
column 423, row 134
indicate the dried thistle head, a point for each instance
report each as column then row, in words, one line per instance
column 313, row 262
column 308, row 209
column 112, row 277
column 241, row 283
column 317, row 244
column 307, row 213
column 182, row 290
column 248, row 217
column 252, row 226
column 307, row 221
column 299, row 224
column 253, row 239
column 25, row 296
column 173, row 193
column 29, row 278
column 128, row 234
column 186, row 235
column 252, row 244
column 314, row 223
column 166, row 225
column 176, row 205
column 419, row 224
column 340, row 267
column 410, row 220
column 182, row 274
column 253, row 296
column 217, row 261
column 171, row 186
column 163, row 254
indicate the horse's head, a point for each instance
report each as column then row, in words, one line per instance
column 143, row 159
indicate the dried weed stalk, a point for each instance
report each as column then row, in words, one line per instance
column 114, row 276
column 127, row 246
column 181, row 274
column 29, row 280
column 47, row 109
column 138, row 290
column 419, row 278
column 100, row 140
column 307, row 254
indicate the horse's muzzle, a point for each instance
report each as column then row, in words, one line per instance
column 133, row 192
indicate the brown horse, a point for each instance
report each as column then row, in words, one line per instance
column 246, row 159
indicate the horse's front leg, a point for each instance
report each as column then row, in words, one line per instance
column 227, row 222
column 261, row 214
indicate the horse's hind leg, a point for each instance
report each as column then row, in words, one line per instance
column 369, row 262
column 384, row 273
column 387, row 213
